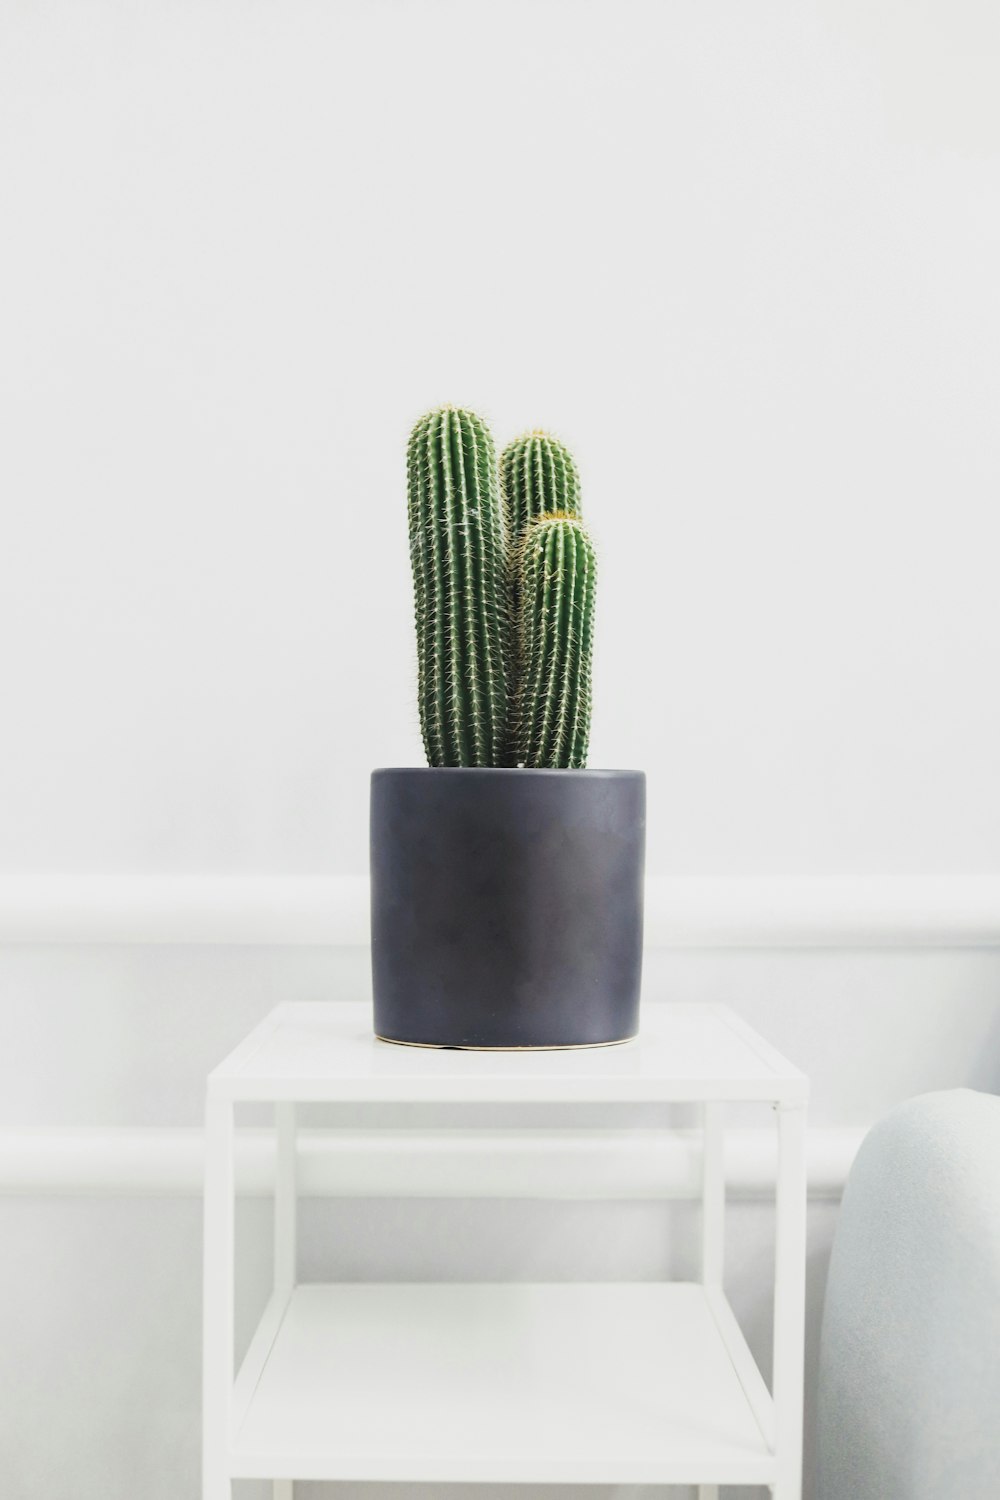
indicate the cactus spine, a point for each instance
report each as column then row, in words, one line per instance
column 538, row 477
column 557, row 578
column 460, row 574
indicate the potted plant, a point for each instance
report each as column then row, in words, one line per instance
column 506, row 879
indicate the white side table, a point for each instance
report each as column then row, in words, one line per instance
column 602, row 1383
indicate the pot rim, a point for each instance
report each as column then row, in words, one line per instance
column 493, row 771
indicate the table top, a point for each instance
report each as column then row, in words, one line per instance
column 326, row 1051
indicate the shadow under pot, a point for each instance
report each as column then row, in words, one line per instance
column 506, row 906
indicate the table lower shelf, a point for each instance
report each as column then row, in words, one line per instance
column 603, row 1383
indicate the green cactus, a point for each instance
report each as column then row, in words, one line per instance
column 491, row 695
column 557, row 578
column 460, row 587
column 538, row 476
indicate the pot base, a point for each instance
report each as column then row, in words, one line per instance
column 394, row 1041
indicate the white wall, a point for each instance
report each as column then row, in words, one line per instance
column 718, row 247
column 743, row 259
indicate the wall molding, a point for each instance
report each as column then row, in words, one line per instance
column 688, row 912
column 386, row 1163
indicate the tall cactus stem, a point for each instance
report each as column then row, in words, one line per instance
column 460, row 589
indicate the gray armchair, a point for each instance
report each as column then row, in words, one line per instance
column 909, row 1377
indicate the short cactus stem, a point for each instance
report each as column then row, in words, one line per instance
column 538, row 476
column 557, row 583
column 460, row 589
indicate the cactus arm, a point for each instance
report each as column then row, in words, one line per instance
column 580, row 730
column 553, row 607
column 564, row 689
column 558, row 578
column 538, row 476
column 533, row 631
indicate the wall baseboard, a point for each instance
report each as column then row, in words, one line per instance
column 566, row 1164
column 690, row 912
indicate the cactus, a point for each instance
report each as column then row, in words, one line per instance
column 460, row 575
column 537, row 477
column 557, row 577
column 490, row 696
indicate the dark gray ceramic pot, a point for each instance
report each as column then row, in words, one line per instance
column 507, row 906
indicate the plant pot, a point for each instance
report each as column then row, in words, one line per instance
column 507, row 906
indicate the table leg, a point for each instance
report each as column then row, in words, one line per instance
column 713, row 1215
column 713, row 1195
column 284, row 1200
column 217, row 1307
column 789, row 1299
